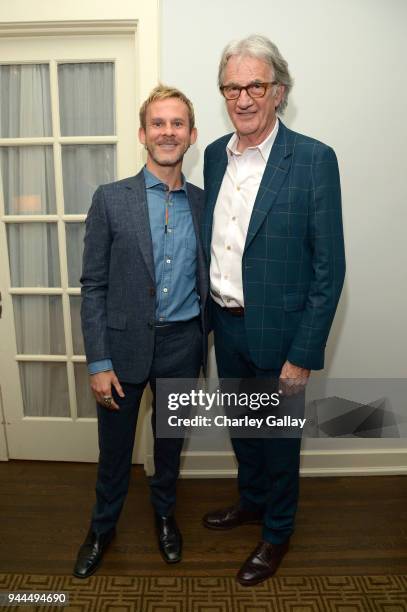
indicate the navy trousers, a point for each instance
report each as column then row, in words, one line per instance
column 177, row 354
column 268, row 468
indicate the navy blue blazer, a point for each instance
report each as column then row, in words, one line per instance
column 293, row 263
column 118, row 277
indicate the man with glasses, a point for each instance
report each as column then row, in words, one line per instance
column 274, row 242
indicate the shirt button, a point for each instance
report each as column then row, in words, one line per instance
column 165, row 290
column 168, row 260
column 233, row 218
column 228, row 247
column 226, row 277
column 238, row 187
column 169, row 230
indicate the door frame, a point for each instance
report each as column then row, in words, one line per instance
column 4, row 454
column 145, row 33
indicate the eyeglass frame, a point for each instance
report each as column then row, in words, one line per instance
column 246, row 88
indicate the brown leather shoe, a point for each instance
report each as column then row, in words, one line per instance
column 262, row 563
column 231, row 517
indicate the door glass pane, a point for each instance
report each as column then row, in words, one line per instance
column 85, row 167
column 25, row 101
column 39, row 324
column 28, row 180
column 86, row 99
column 33, row 254
column 85, row 401
column 77, row 338
column 45, row 389
column 75, row 233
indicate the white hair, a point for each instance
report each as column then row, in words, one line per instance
column 262, row 48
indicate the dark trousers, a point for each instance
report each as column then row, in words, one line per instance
column 177, row 354
column 268, row 468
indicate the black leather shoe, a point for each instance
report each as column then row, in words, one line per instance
column 91, row 552
column 169, row 538
column 231, row 517
column 263, row 563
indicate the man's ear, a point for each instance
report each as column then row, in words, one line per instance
column 279, row 95
column 193, row 135
column 142, row 135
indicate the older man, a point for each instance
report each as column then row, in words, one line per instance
column 273, row 237
column 144, row 288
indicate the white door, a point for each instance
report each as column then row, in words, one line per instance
column 68, row 122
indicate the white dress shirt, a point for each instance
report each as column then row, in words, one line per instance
column 231, row 217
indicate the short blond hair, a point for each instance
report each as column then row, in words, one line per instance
column 163, row 92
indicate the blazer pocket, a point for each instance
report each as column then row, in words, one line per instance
column 117, row 320
column 294, row 301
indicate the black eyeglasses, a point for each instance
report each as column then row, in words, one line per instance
column 256, row 89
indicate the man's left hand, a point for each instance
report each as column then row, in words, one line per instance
column 293, row 378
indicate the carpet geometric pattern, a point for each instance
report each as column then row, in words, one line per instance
column 212, row 594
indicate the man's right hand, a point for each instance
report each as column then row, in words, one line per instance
column 101, row 385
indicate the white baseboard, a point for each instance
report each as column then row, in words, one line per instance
column 197, row 464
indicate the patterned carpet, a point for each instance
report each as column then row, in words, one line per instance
column 175, row 594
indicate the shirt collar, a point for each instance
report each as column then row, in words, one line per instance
column 264, row 147
column 152, row 181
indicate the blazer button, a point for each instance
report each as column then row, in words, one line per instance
column 150, row 325
column 152, row 291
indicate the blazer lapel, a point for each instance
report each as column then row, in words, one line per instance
column 196, row 218
column 277, row 168
column 139, row 212
column 196, row 212
column 212, row 186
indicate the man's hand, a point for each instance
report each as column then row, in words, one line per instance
column 293, row 378
column 101, row 385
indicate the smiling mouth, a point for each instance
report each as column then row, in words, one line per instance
column 167, row 147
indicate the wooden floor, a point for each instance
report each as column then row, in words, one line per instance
column 350, row 526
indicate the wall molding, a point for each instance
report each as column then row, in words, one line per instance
column 71, row 28
column 200, row 464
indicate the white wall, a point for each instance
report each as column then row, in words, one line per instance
column 348, row 61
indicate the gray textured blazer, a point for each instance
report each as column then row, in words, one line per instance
column 118, row 279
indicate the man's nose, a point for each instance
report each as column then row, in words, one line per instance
column 168, row 129
column 244, row 100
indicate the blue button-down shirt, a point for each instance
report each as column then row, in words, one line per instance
column 175, row 255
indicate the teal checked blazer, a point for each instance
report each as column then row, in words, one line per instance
column 293, row 264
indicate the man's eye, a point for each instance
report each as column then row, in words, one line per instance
column 256, row 85
column 157, row 123
column 178, row 123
